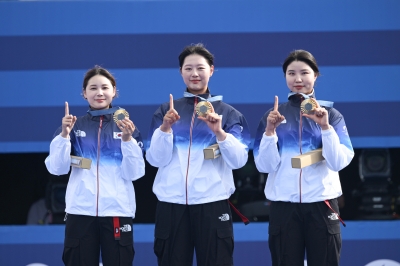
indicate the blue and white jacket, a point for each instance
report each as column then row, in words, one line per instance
column 297, row 135
column 106, row 189
column 183, row 176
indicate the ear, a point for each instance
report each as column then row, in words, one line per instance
column 84, row 94
column 211, row 70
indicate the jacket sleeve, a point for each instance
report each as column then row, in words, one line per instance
column 159, row 153
column 266, row 152
column 234, row 149
column 161, row 144
column 132, row 166
column 58, row 161
column 337, row 149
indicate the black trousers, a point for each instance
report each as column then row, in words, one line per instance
column 296, row 229
column 85, row 236
column 181, row 229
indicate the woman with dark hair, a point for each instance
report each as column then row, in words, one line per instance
column 193, row 211
column 100, row 198
column 304, row 212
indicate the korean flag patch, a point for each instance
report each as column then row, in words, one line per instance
column 117, row 135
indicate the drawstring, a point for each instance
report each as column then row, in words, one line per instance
column 244, row 218
column 329, row 206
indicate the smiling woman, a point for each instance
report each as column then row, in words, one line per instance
column 189, row 186
column 303, row 199
column 100, row 196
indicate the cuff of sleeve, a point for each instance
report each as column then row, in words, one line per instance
column 130, row 141
column 62, row 138
column 160, row 132
column 228, row 135
column 273, row 138
column 327, row 131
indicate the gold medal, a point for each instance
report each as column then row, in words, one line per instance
column 203, row 108
column 120, row 114
column 308, row 105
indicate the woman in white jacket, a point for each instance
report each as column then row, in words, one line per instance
column 304, row 213
column 100, row 201
column 193, row 211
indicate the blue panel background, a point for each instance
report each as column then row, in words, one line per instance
column 46, row 47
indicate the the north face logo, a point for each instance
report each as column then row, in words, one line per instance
column 126, row 228
column 80, row 133
column 224, row 217
column 334, row 216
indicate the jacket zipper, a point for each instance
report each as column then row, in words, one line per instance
column 190, row 145
column 98, row 164
column 301, row 151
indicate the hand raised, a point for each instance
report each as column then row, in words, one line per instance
column 214, row 122
column 320, row 116
column 274, row 119
column 127, row 127
column 68, row 122
column 170, row 117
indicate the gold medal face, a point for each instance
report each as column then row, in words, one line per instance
column 120, row 114
column 308, row 105
column 203, row 108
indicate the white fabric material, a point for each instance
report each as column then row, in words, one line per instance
column 284, row 182
column 193, row 180
column 104, row 190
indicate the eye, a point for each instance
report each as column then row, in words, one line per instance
column 188, row 68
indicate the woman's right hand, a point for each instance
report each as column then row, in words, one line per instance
column 68, row 122
column 274, row 119
column 170, row 117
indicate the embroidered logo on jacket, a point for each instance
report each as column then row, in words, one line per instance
column 117, row 135
column 224, row 217
column 80, row 133
column 333, row 216
column 126, row 228
column 345, row 130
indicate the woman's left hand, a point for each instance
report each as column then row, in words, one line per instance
column 320, row 116
column 127, row 127
column 214, row 122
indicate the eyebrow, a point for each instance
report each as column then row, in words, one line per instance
column 300, row 70
column 194, row 65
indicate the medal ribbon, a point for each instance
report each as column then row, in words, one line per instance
column 211, row 99
column 305, row 96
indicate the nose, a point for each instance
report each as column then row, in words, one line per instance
column 99, row 91
column 194, row 73
column 297, row 78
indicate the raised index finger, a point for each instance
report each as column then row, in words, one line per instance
column 276, row 103
column 66, row 108
column 171, row 102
